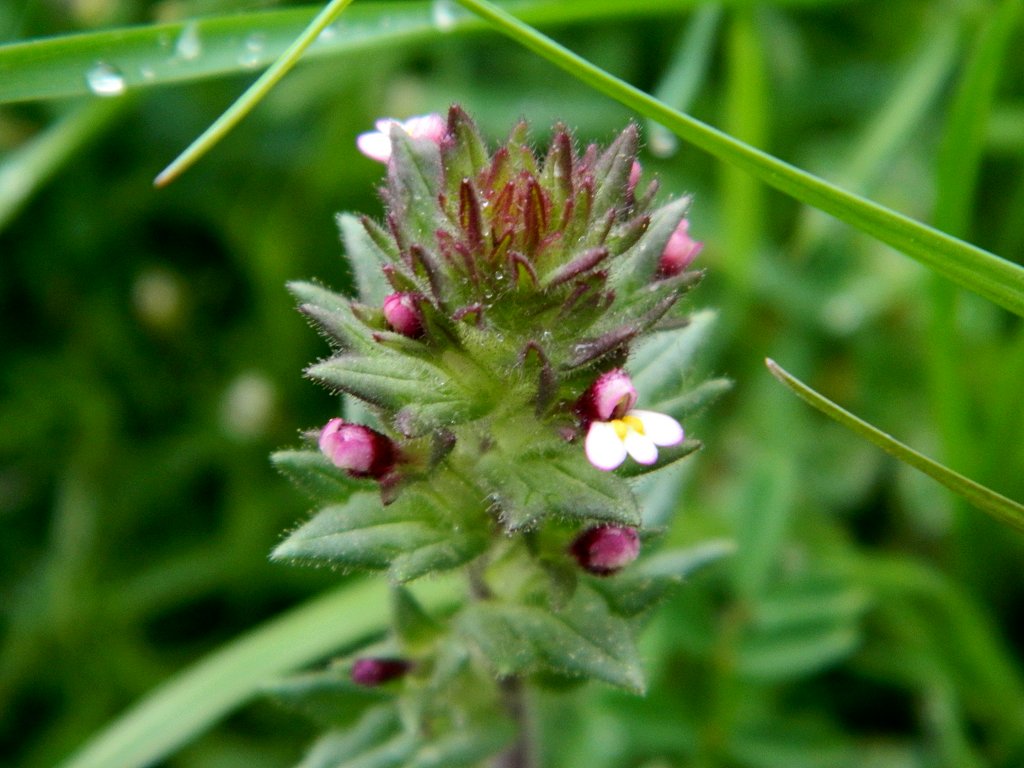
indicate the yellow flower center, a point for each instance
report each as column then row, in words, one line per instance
column 626, row 423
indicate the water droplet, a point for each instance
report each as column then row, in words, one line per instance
column 253, row 53
column 443, row 14
column 327, row 34
column 105, row 80
column 147, row 73
column 188, row 45
column 662, row 142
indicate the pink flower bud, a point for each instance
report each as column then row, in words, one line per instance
column 402, row 312
column 680, row 251
column 606, row 549
column 634, row 177
column 611, row 396
column 371, row 672
column 377, row 144
column 360, row 450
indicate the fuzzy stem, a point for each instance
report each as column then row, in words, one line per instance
column 522, row 753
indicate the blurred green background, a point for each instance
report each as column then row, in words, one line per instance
column 150, row 359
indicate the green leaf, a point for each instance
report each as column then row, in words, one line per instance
column 409, row 537
column 394, row 382
column 360, row 533
column 1004, row 510
column 188, row 703
column 450, row 551
column 26, row 168
column 333, row 316
column 559, row 485
column 313, row 473
column 611, row 173
column 415, row 628
column 414, row 181
column 998, row 280
column 377, row 741
column 782, row 743
column 776, row 656
column 465, row 157
column 644, row 584
column 582, row 640
column 809, row 602
column 662, row 363
column 328, row 696
column 696, row 400
column 763, row 511
column 366, row 258
column 666, row 457
column 686, row 72
column 637, row 266
column 464, row 748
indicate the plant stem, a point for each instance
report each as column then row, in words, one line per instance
column 521, row 754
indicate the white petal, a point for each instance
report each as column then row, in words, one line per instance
column 662, row 429
column 640, row 447
column 375, row 145
column 384, row 125
column 603, row 447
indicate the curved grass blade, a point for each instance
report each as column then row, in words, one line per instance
column 685, row 74
column 959, row 165
column 1004, row 510
column 151, row 56
column 245, row 103
column 998, row 280
column 186, row 705
column 24, row 170
column 911, row 100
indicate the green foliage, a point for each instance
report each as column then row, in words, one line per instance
column 581, row 639
column 863, row 618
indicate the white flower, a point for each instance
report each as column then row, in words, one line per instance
column 377, row 144
column 637, row 433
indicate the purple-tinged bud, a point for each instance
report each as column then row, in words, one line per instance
column 370, row 672
column 403, row 314
column 634, row 177
column 606, row 549
column 611, row 396
column 680, row 251
column 361, row 451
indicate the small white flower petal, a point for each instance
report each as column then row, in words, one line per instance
column 640, row 447
column 603, row 447
column 375, row 145
column 661, row 429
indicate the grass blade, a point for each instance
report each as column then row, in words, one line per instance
column 188, row 704
column 24, row 170
column 911, row 100
column 149, row 56
column 1004, row 510
column 998, row 280
column 253, row 94
column 685, row 74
